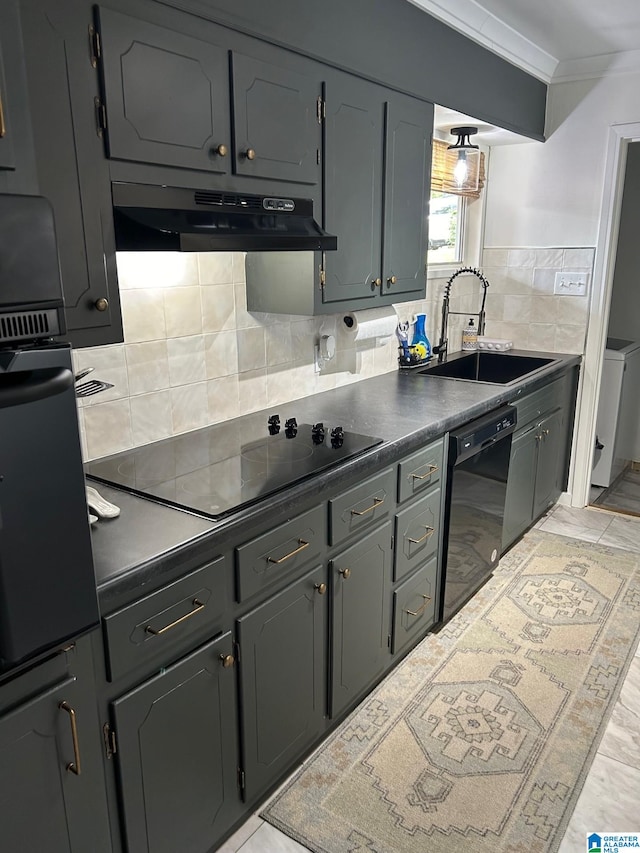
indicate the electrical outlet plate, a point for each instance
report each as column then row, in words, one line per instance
column 570, row 283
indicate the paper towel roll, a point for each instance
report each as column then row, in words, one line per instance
column 372, row 324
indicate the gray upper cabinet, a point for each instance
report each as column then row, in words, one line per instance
column 17, row 167
column 71, row 169
column 166, row 95
column 354, row 136
column 377, row 162
column 276, row 131
column 202, row 104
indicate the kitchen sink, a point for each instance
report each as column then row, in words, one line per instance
column 492, row 367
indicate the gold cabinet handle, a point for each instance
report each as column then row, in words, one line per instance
column 227, row 661
column 546, row 431
column 320, row 587
column 101, row 304
column 376, row 502
column 392, row 279
column 3, row 127
column 250, row 154
column 430, row 532
column 421, row 609
column 432, row 470
column 198, row 606
column 72, row 766
column 301, row 546
column 346, row 573
column 538, row 437
column 377, row 282
column 221, row 150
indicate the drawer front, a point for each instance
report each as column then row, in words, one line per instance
column 362, row 507
column 276, row 556
column 534, row 405
column 160, row 623
column 420, row 471
column 414, row 606
column 417, row 533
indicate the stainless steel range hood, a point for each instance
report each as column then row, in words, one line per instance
column 156, row 218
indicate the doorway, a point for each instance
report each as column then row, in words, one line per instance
column 614, row 313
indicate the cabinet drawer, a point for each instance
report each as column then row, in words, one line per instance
column 277, row 555
column 159, row 623
column 362, row 507
column 543, row 400
column 420, row 471
column 414, row 606
column 417, row 533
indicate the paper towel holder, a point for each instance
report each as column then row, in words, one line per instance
column 325, row 351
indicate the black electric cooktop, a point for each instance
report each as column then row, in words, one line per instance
column 216, row 471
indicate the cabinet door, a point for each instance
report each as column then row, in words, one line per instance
column 549, row 473
column 282, row 679
column 44, row 805
column 177, row 754
column 275, row 124
column 17, row 165
column 353, row 190
column 409, row 127
column 166, row 95
column 518, row 512
column 72, row 171
column 361, row 583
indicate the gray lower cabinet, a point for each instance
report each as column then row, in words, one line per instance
column 360, row 622
column 52, row 795
column 415, row 606
column 176, row 753
column 539, row 455
column 282, row 669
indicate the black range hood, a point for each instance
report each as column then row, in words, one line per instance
column 156, row 218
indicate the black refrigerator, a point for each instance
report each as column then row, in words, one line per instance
column 47, row 583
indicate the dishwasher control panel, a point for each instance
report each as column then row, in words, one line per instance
column 483, row 431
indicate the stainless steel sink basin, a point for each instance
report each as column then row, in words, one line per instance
column 492, row 367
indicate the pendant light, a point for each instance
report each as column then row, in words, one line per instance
column 463, row 160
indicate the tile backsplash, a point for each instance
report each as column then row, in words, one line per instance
column 193, row 355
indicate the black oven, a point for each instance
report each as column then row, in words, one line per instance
column 47, row 583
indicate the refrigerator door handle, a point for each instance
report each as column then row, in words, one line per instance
column 37, row 385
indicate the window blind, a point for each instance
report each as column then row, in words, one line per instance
column 442, row 180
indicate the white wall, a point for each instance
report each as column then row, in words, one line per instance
column 549, row 194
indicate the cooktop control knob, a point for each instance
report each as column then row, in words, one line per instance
column 337, row 437
column 291, row 427
column 274, row 424
column 317, row 433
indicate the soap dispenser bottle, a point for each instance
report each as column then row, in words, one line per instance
column 470, row 336
column 420, row 343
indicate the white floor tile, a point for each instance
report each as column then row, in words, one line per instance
column 242, row 835
column 585, row 523
column 268, row 839
column 622, row 532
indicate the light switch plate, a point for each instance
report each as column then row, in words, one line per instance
column 570, row 283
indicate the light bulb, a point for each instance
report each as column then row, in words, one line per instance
column 460, row 170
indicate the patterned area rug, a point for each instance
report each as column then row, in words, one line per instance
column 481, row 739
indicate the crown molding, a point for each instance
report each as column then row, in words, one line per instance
column 606, row 65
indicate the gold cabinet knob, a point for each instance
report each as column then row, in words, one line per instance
column 227, row 660
column 546, row 431
column 377, row 282
column 392, row 279
column 221, row 150
column 101, row 304
column 250, row 154
column 321, row 587
column 346, row 573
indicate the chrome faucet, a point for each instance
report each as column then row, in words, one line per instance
column 441, row 349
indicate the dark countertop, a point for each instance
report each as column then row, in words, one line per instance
column 146, row 543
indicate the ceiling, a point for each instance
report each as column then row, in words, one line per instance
column 552, row 39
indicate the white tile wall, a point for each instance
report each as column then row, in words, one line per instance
column 193, row 355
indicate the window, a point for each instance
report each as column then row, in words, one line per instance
column 455, row 220
column 446, row 221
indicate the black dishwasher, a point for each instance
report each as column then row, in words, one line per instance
column 477, row 469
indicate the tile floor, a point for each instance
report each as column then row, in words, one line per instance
column 611, row 794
